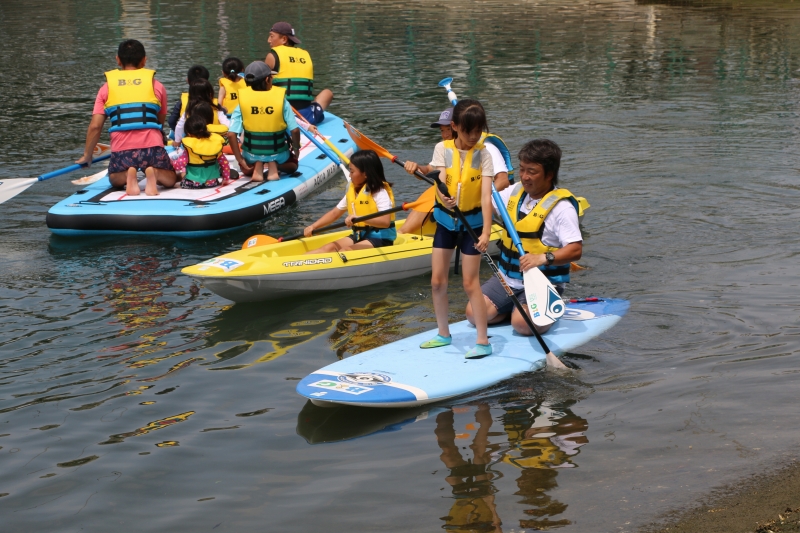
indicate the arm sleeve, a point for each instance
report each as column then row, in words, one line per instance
column 174, row 115
column 565, row 225
column 161, row 94
column 100, row 101
column 438, row 156
column 487, row 168
column 288, row 116
column 498, row 163
column 223, row 118
column 179, row 129
column 342, row 205
column 382, row 200
column 236, row 121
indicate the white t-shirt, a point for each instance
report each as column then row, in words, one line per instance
column 561, row 226
column 498, row 162
column 487, row 168
column 381, row 199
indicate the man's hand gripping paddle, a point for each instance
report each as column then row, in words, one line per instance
column 545, row 305
column 364, row 143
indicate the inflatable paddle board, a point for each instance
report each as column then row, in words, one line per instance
column 100, row 209
column 401, row 374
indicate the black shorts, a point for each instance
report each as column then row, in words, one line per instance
column 376, row 242
column 448, row 240
column 139, row 159
column 494, row 290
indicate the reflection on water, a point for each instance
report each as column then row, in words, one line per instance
column 679, row 122
column 537, row 440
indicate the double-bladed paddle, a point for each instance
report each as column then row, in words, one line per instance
column 423, row 204
column 9, row 188
column 364, row 143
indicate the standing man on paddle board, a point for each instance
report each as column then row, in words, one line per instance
column 295, row 73
column 137, row 105
column 546, row 218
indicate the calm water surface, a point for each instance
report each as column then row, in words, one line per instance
column 132, row 398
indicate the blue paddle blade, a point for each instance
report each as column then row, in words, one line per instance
column 445, row 82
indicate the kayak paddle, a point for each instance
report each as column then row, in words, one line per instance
column 360, row 139
column 11, row 187
column 423, row 204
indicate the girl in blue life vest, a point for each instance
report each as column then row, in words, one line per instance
column 230, row 84
column 466, row 169
column 202, row 163
column 368, row 192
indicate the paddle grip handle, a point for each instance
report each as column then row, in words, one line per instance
column 417, row 173
column 71, row 168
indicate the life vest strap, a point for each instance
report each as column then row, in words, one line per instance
column 509, row 263
column 264, row 142
column 126, row 114
column 453, row 213
column 297, row 88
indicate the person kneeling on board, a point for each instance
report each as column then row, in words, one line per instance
column 547, row 226
column 368, row 192
column 266, row 118
column 202, row 164
column 136, row 103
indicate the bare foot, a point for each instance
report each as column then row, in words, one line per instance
column 132, row 185
column 151, row 187
column 273, row 177
column 257, row 177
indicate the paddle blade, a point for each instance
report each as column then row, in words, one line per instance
column 101, row 150
column 258, row 240
column 544, row 303
column 10, row 188
column 424, row 203
column 365, row 143
column 86, row 180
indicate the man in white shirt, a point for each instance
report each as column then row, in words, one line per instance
column 552, row 247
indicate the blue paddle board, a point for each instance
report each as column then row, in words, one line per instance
column 401, row 374
column 100, row 209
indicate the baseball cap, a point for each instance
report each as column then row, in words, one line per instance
column 257, row 71
column 444, row 118
column 284, row 28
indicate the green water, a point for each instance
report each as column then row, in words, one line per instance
column 132, row 398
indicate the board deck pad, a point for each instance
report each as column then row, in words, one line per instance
column 401, row 374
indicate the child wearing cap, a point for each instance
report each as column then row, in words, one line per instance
column 295, row 73
column 265, row 118
column 136, row 103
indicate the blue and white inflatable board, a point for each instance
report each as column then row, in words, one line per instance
column 100, row 209
column 401, row 374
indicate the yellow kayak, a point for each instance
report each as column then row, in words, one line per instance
column 279, row 270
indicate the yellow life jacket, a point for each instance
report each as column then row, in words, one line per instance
column 185, row 102
column 203, row 154
column 361, row 204
column 132, row 103
column 530, row 228
column 295, row 74
column 464, row 184
column 232, row 89
column 263, row 122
